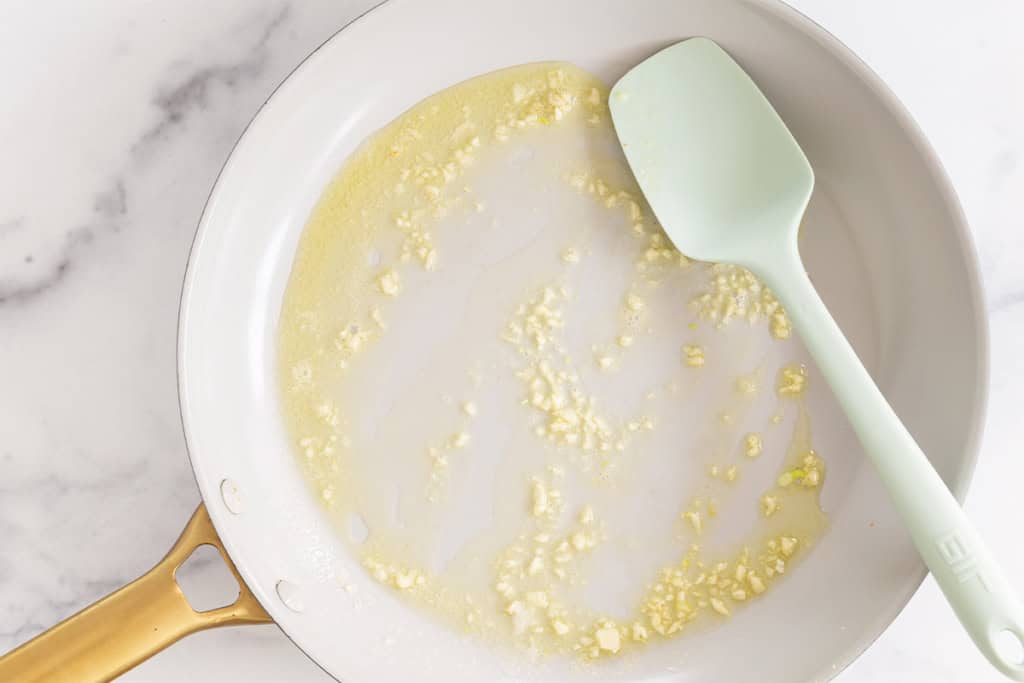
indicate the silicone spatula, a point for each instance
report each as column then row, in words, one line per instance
column 729, row 184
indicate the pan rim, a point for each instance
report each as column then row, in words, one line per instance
column 921, row 146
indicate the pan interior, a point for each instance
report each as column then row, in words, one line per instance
column 526, row 411
column 888, row 252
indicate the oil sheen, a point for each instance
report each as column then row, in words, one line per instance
column 530, row 416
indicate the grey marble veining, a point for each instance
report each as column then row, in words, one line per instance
column 176, row 98
column 95, row 484
column 122, row 117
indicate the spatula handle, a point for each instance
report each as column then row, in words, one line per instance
column 955, row 554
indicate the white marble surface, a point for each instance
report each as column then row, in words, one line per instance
column 115, row 118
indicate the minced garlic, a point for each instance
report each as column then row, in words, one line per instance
column 753, row 445
column 402, row 578
column 586, row 515
column 734, row 293
column 424, row 166
column 747, row 385
column 693, row 356
column 608, row 639
column 635, row 303
column 389, row 282
column 792, row 380
column 570, row 416
column 540, row 498
column 769, row 505
column 809, row 474
column 694, row 518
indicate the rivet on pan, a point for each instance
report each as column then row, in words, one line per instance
column 290, row 595
column 231, row 496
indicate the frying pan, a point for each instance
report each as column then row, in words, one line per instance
column 912, row 306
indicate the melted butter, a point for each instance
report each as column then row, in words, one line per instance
column 500, row 512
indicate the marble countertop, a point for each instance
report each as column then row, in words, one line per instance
column 116, row 118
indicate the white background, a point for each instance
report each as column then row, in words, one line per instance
column 115, row 117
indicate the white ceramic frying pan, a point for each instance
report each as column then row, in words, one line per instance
column 889, row 251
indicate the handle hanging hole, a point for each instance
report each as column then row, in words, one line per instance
column 1010, row 647
column 206, row 581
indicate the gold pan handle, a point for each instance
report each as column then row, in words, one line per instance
column 131, row 624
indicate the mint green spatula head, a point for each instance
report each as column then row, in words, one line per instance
column 729, row 183
column 716, row 162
